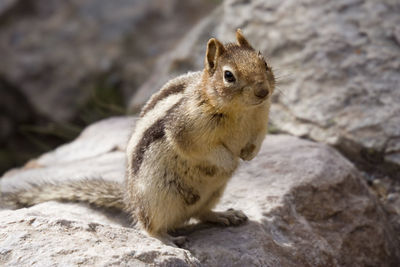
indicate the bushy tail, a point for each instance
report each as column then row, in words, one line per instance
column 97, row 192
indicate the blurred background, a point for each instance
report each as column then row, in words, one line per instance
column 65, row 64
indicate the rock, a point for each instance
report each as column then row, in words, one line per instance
column 100, row 146
column 188, row 55
column 388, row 191
column 24, row 133
column 307, row 205
column 337, row 64
column 71, row 235
column 6, row 5
column 75, row 62
column 58, row 52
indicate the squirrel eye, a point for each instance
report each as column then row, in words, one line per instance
column 229, row 76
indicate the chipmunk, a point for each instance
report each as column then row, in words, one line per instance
column 186, row 145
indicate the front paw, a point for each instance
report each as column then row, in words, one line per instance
column 248, row 152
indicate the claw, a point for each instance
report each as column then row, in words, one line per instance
column 229, row 217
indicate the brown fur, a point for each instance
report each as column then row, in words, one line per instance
column 215, row 123
column 185, row 146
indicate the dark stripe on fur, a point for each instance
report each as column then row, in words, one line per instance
column 173, row 89
column 153, row 133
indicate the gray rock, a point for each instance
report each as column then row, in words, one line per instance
column 100, row 146
column 56, row 52
column 186, row 56
column 6, row 5
column 53, row 234
column 337, row 63
column 307, row 206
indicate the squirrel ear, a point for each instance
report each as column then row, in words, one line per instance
column 214, row 50
column 241, row 41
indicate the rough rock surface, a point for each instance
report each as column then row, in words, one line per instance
column 53, row 234
column 56, row 51
column 307, row 206
column 337, row 63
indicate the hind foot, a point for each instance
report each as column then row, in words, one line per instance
column 225, row 218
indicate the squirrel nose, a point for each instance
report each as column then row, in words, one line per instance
column 261, row 93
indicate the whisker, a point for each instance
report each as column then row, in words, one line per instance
column 283, row 76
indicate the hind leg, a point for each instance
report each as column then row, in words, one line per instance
column 163, row 236
column 157, row 224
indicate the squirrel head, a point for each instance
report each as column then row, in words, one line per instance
column 236, row 75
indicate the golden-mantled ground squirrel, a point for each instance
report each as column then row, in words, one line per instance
column 185, row 146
